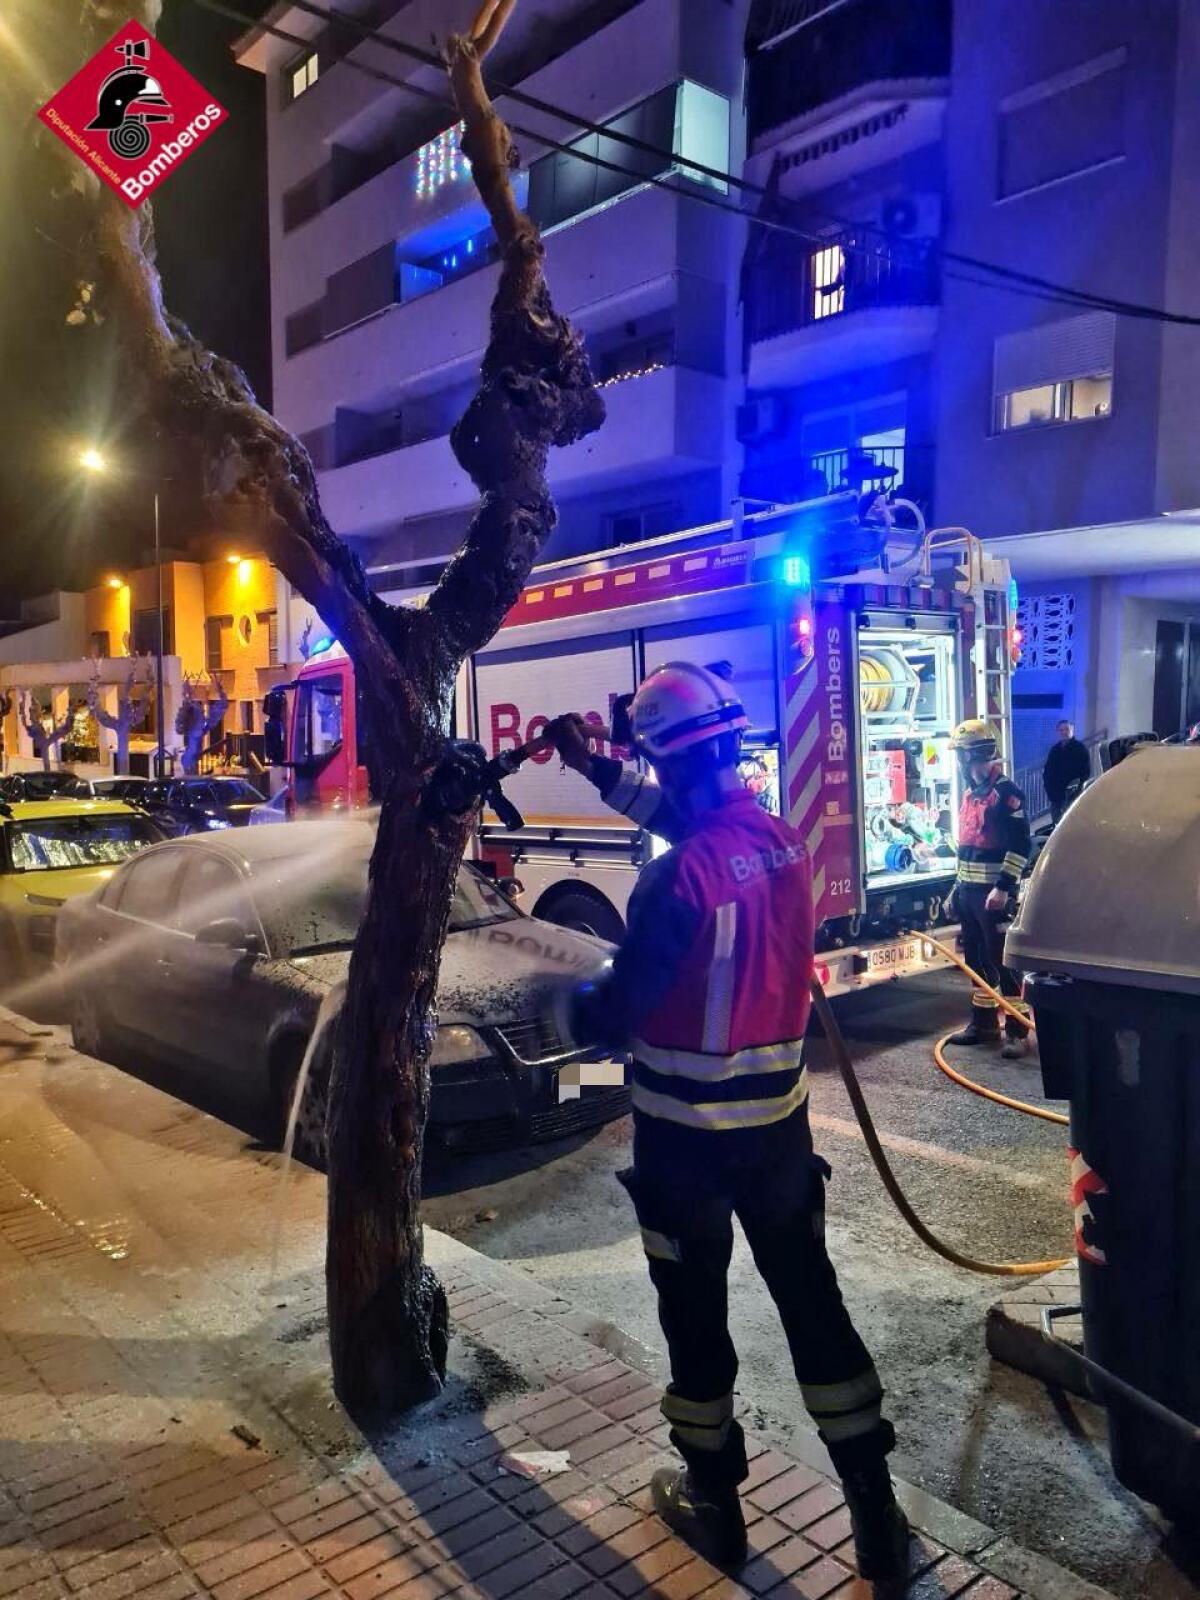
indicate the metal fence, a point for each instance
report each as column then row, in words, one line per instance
column 846, row 272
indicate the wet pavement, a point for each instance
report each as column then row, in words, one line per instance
column 998, row 1445
column 168, row 1430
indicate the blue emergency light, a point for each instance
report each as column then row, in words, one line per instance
column 796, row 573
column 321, row 646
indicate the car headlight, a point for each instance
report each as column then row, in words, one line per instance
column 217, row 822
column 457, row 1044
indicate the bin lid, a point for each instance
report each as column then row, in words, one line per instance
column 1115, row 895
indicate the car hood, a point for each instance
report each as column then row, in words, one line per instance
column 495, row 974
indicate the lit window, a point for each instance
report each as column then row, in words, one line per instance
column 304, row 75
column 441, row 161
column 829, row 282
column 1073, row 400
column 1090, row 397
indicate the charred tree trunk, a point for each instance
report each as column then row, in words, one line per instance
column 387, row 1314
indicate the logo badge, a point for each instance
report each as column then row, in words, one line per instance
column 133, row 113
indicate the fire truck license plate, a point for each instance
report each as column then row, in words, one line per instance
column 894, row 957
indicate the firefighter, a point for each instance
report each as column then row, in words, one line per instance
column 709, row 992
column 993, row 850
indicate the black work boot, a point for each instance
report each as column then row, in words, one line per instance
column 1018, row 1038
column 711, row 1521
column 983, row 1028
column 880, row 1528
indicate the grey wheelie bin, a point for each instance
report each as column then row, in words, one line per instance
column 1109, row 938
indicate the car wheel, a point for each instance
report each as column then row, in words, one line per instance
column 585, row 913
column 309, row 1142
column 87, row 1024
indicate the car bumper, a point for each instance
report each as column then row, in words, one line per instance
column 488, row 1104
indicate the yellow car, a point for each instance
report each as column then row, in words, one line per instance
column 49, row 851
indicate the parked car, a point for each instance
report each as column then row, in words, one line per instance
column 51, row 850
column 121, row 787
column 41, row 785
column 277, row 809
column 215, row 953
column 200, row 805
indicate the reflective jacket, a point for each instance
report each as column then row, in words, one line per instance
column 710, row 988
column 993, row 833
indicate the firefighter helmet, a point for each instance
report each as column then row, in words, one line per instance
column 976, row 738
column 679, row 705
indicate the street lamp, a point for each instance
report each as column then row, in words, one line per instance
column 93, row 460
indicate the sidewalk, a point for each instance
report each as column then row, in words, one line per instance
column 168, row 1429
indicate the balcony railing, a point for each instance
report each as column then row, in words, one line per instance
column 907, row 469
column 847, row 273
column 804, row 57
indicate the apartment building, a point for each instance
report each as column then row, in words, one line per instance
column 911, row 138
column 384, row 267
column 221, row 618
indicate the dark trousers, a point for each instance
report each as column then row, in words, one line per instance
column 687, row 1185
column 983, row 939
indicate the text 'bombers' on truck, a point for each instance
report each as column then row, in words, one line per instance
column 856, row 648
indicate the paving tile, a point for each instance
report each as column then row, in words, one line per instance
column 788, row 1486
column 811, row 1507
column 258, row 1580
column 605, row 1524
column 627, row 1545
column 989, row 1588
column 366, row 1558
column 348, row 1536
column 832, row 1530
column 819, row 1580
column 256, row 1530
column 519, row 1575
column 649, row 1568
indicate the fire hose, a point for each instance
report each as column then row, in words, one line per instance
column 841, row 1056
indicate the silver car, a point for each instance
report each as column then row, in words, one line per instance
column 214, row 954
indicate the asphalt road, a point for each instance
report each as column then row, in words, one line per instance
column 999, row 1446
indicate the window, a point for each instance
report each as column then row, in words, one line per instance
column 87, row 841
column 1074, row 401
column 98, row 644
column 303, row 74
column 318, row 720
column 1059, row 372
column 828, row 281
column 211, row 889
column 214, row 641
column 148, row 887
column 641, row 522
column 270, row 621
column 1066, row 125
column 246, row 711
column 145, row 633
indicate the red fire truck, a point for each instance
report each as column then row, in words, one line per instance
column 855, row 651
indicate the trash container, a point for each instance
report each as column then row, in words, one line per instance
column 1109, row 936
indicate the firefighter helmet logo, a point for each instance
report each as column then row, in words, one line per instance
column 133, row 102
column 128, row 101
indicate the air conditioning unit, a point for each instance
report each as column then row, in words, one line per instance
column 911, row 216
column 761, row 418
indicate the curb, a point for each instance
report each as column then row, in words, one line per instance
column 1014, row 1331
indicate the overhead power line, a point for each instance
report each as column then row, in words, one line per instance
column 1006, row 277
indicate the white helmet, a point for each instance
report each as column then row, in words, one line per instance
column 680, row 705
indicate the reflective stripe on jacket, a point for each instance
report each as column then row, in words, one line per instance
column 993, row 833
column 710, row 988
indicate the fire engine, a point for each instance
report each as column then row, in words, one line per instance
column 855, row 648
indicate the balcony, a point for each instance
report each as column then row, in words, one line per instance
column 854, row 302
column 801, row 60
column 664, row 423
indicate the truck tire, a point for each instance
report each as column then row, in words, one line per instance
column 585, row 913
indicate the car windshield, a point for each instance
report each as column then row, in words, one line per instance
column 45, row 785
column 229, row 790
column 86, row 841
column 309, row 911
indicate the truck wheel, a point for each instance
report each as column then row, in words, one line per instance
column 585, row 913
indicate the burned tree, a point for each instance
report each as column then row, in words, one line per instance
column 197, row 717
column 46, row 734
column 387, row 1313
column 129, row 708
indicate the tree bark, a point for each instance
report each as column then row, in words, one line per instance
column 387, row 1313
